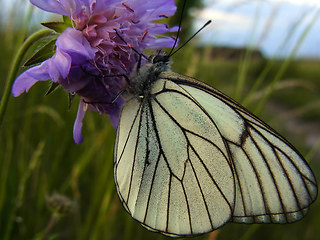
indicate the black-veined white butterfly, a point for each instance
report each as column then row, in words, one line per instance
column 189, row 159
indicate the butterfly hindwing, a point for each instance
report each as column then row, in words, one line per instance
column 274, row 184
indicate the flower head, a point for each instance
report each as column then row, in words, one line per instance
column 60, row 204
column 90, row 56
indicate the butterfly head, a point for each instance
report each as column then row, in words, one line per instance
column 160, row 58
column 158, row 63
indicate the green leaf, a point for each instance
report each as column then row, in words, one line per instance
column 71, row 97
column 67, row 20
column 53, row 87
column 59, row 27
column 42, row 54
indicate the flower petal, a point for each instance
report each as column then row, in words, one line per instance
column 72, row 49
column 115, row 114
column 62, row 7
column 77, row 127
column 72, row 41
column 59, row 65
column 53, row 6
column 25, row 81
column 77, row 79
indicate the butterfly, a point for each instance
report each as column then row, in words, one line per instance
column 188, row 159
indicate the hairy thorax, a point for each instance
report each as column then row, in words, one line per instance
column 141, row 80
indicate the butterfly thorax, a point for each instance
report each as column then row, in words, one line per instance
column 141, row 80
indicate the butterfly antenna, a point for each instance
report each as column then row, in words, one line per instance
column 195, row 34
column 179, row 29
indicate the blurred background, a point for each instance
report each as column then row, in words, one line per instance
column 264, row 54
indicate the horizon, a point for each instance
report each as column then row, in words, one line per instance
column 274, row 27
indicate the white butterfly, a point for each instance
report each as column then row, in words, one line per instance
column 189, row 159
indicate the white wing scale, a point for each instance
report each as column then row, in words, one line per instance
column 189, row 159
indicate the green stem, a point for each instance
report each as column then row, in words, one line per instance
column 54, row 219
column 15, row 67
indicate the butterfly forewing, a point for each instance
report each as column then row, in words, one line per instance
column 188, row 159
column 178, row 179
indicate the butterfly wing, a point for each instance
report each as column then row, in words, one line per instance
column 172, row 169
column 188, row 159
column 274, row 184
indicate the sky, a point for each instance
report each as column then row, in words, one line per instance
column 274, row 26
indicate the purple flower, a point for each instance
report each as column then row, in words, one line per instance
column 88, row 54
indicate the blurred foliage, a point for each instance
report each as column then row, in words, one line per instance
column 38, row 157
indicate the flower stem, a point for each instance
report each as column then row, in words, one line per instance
column 53, row 220
column 15, row 67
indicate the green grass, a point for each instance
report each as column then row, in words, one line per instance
column 38, row 156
